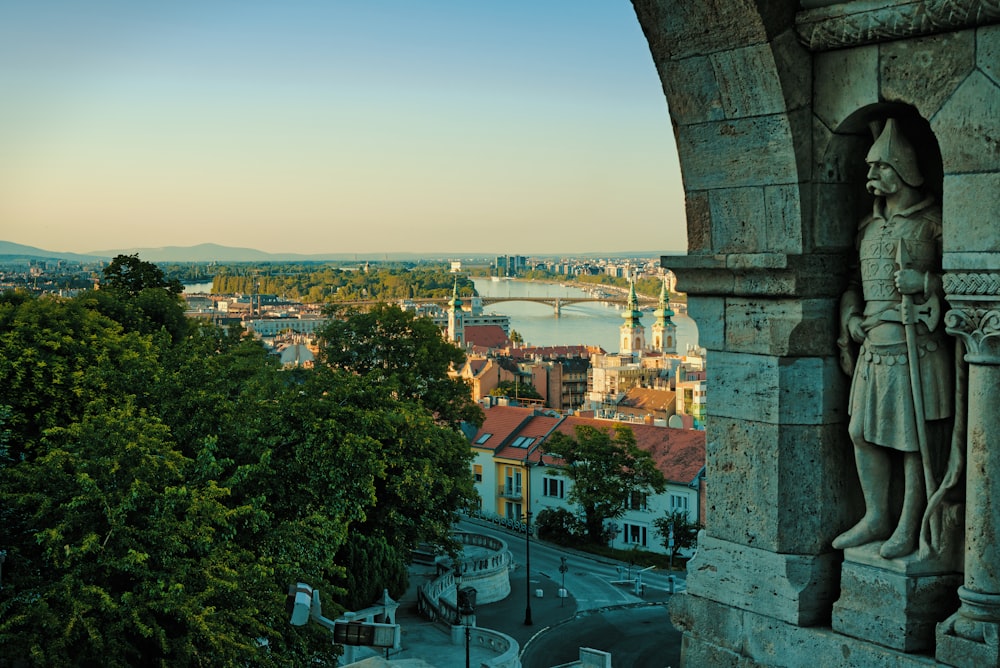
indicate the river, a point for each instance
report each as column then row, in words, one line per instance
column 580, row 324
column 592, row 324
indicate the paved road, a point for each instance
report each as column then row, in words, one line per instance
column 637, row 637
column 593, row 615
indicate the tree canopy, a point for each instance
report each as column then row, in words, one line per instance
column 685, row 532
column 606, row 468
column 160, row 489
column 130, row 275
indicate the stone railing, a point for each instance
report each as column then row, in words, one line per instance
column 436, row 600
column 506, row 648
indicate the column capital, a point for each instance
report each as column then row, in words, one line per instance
column 975, row 313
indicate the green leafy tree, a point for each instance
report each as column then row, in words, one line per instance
column 509, row 388
column 605, row 467
column 130, row 275
column 403, row 352
column 559, row 526
column 685, row 531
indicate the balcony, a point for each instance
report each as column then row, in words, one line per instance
column 510, row 492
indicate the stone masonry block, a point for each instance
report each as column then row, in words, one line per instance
column 844, row 81
column 787, row 489
column 893, row 609
column 748, row 81
column 709, row 311
column 784, row 209
column 924, row 72
column 699, row 223
column 737, row 214
column 967, row 128
column 739, row 153
column 679, row 29
column 727, row 622
column 970, row 207
column 765, row 388
column 785, row 327
column 794, row 65
column 988, row 51
column 692, row 90
column 797, row 589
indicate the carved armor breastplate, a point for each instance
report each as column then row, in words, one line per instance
column 878, row 263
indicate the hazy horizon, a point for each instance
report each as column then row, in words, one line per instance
column 335, row 127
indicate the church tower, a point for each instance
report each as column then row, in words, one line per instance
column 456, row 324
column 633, row 334
column 664, row 329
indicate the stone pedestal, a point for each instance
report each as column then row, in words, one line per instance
column 796, row 589
column 967, row 643
column 893, row 602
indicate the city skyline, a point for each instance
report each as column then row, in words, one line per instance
column 335, row 128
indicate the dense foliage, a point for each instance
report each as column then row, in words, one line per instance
column 685, row 532
column 332, row 284
column 606, row 467
column 161, row 484
column 559, row 526
column 511, row 388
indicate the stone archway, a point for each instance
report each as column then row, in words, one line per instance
column 769, row 104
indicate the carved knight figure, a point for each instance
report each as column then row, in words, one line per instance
column 902, row 386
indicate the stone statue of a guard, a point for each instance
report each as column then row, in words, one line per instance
column 902, row 393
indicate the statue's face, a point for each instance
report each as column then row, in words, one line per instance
column 883, row 179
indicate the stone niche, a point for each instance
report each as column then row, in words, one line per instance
column 773, row 106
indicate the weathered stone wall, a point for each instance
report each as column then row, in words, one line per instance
column 771, row 106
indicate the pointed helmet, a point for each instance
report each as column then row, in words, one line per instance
column 893, row 149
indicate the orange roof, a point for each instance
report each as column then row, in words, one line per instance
column 517, row 433
column 678, row 453
column 529, row 436
column 486, row 336
column 500, row 423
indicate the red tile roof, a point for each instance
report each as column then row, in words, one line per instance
column 486, row 336
column 501, row 422
column 678, row 453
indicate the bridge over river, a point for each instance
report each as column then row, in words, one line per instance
column 555, row 302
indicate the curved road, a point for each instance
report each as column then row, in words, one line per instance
column 593, row 616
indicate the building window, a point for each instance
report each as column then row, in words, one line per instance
column 482, row 439
column 679, row 502
column 636, row 501
column 477, row 472
column 634, row 534
column 554, row 487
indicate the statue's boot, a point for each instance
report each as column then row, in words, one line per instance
column 903, row 540
column 872, row 527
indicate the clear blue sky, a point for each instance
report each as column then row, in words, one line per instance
column 525, row 126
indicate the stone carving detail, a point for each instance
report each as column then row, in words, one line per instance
column 838, row 26
column 902, row 378
column 978, row 327
column 972, row 284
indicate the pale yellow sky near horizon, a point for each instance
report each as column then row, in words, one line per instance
column 329, row 127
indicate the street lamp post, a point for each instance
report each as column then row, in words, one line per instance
column 562, row 569
column 527, row 567
column 465, row 601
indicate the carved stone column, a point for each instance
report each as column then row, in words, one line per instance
column 970, row 636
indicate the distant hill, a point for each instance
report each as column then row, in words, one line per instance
column 10, row 251
column 225, row 254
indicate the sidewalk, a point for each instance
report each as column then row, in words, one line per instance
column 427, row 644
